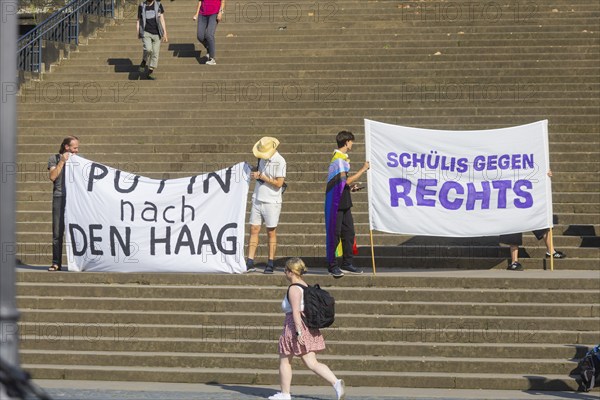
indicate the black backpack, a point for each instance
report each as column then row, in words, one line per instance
column 319, row 306
column 589, row 369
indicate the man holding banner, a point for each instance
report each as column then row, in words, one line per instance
column 339, row 223
column 56, row 164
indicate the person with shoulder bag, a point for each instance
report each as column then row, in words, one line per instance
column 299, row 340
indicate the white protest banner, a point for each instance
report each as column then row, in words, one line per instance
column 458, row 183
column 121, row 222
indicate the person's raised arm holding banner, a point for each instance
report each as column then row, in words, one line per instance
column 339, row 223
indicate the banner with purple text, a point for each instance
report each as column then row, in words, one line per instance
column 121, row 222
column 458, row 183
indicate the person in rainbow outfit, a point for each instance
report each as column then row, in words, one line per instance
column 339, row 224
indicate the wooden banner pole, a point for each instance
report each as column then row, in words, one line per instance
column 551, row 249
column 372, row 252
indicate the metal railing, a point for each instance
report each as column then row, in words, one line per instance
column 62, row 27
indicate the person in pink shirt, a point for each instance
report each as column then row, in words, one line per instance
column 209, row 13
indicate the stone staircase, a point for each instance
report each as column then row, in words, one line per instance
column 302, row 71
column 475, row 330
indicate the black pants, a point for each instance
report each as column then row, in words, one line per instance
column 344, row 229
column 58, row 229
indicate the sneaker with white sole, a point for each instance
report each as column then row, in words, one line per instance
column 352, row 269
column 340, row 389
column 557, row 254
column 281, row 396
column 335, row 271
column 211, row 61
column 515, row 266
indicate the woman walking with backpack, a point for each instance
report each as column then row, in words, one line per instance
column 297, row 339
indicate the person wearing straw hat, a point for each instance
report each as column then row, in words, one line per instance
column 267, row 199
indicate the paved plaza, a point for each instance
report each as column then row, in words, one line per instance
column 97, row 390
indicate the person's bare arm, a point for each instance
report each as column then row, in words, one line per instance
column 295, row 298
column 197, row 11
column 164, row 26
column 352, row 179
column 55, row 171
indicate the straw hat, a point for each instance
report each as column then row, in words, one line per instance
column 265, row 147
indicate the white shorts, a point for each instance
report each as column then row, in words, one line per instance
column 265, row 212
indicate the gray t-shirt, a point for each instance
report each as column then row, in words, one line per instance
column 59, row 183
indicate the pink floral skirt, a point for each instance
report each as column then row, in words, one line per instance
column 288, row 342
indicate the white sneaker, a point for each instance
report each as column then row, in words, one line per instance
column 339, row 389
column 281, row 396
column 211, row 61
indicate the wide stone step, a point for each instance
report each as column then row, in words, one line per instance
column 200, row 147
column 268, row 361
column 315, row 121
column 319, row 263
column 61, row 115
column 212, row 138
column 358, row 33
column 128, row 65
column 183, row 30
column 210, row 82
column 206, row 341
column 222, row 292
column 189, row 54
column 198, row 75
column 430, row 96
column 388, row 308
column 271, row 377
column 456, row 333
column 331, row 129
column 405, row 279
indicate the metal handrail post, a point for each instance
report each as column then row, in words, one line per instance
column 77, row 27
column 38, row 66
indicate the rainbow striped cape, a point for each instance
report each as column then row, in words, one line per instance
column 336, row 180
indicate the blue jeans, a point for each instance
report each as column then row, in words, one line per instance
column 207, row 25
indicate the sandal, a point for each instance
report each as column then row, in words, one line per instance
column 54, row 268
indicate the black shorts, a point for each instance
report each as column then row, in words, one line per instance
column 516, row 239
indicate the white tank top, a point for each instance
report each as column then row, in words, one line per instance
column 285, row 304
